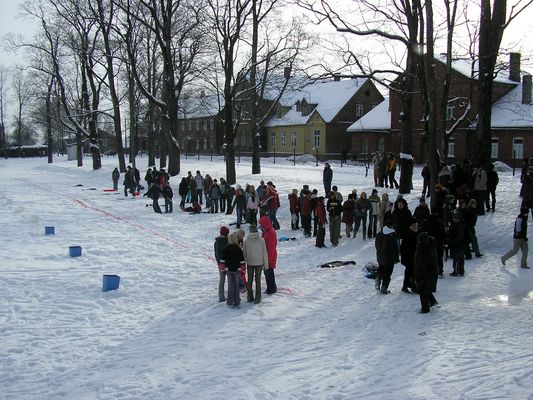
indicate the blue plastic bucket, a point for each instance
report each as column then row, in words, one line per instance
column 74, row 251
column 49, row 230
column 110, row 282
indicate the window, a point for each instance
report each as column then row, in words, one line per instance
column 494, row 148
column 212, row 141
column 317, row 138
column 451, row 148
column 359, row 110
column 205, row 142
column 381, row 145
column 190, row 125
column 449, row 112
column 211, row 124
column 293, row 139
column 364, row 145
column 197, row 124
column 518, row 148
column 197, row 144
column 205, row 124
column 283, row 139
column 273, row 138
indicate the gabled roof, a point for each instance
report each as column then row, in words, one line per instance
column 470, row 69
column 509, row 112
column 200, row 106
column 377, row 119
column 329, row 96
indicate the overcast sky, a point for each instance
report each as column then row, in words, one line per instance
column 521, row 30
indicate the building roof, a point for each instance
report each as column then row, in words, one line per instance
column 470, row 69
column 201, row 106
column 329, row 96
column 509, row 112
column 377, row 119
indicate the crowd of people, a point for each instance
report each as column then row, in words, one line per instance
column 420, row 239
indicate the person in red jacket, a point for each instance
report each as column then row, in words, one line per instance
column 322, row 221
column 271, row 242
column 348, row 209
column 305, row 212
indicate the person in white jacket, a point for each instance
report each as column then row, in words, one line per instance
column 256, row 258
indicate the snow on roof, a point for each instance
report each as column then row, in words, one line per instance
column 330, row 97
column 509, row 112
column 379, row 118
column 200, row 106
column 470, row 69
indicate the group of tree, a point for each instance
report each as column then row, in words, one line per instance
column 95, row 67
column 407, row 33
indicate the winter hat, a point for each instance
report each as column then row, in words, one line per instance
column 422, row 199
column 224, row 231
column 374, row 191
column 294, row 191
column 253, row 228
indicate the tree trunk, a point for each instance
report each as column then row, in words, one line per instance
column 48, row 104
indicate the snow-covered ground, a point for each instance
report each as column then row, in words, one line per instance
column 163, row 334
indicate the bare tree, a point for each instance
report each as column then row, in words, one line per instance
column 493, row 22
column 22, row 94
column 4, row 78
column 176, row 27
column 228, row 19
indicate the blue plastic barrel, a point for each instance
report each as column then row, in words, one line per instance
column 74, row 251
column 110, row 282
column 49, row 230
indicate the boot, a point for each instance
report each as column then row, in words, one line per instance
column 378, row 283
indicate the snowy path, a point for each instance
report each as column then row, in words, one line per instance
column 163, row 335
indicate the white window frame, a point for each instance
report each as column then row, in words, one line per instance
column 359, row 109
column 273, row 138
column 293, row 139
column 451, row 148
column 211, row 124
column 518, row 146
column 494, row 148
column 282, row 139
column 316, row 137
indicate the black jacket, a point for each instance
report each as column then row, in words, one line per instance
column 220, row 244
column 520, row 227
column 387, row 247
column 233, row 257
column 426, row 270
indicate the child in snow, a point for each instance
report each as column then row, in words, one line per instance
column 322, row 221
column 426, row 270
column 271, row 242
column 387, row 254
column 256, row 257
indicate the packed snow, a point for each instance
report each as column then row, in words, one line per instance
column 163, row 334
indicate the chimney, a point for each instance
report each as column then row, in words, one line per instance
column 336, row 78
column 526, row 89
column 514, row 67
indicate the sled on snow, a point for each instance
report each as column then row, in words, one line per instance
column 335, row 264
column 370, row 270
column 285, row 238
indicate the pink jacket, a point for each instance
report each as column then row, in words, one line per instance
column 271, row 240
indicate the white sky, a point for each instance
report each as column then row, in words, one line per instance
column 518, row 34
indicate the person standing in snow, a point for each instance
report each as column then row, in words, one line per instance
column 387, row 254
column 233, row 260
column 519, row 239
column 407, row 253
column 220, row 244
column 334, row 208
column 306, row 211
column 115, row 175
column 421, row 212
column 321, row 221
column 426, row 271
column 239, row 203
column 361, row 208
column 199, row 186
column 214, row 195
column 391, row 171
column 425, row 178
column 376, row 162
column 348, row 209
column 327, row 178
column 271, row 242
column 434, row 227
column 148, row 178
column 129, row 182
column 183, row 190
column 457, row 243
column 294, row 209
column 168, row 194
column 492, row 182
column 373, row 215
column 256, row 257
column 480, row 188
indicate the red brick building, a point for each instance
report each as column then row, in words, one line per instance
column 512, row 117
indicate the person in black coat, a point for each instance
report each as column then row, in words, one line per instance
column 327, row 177
column 153, row 193
column 233, row 260
column 457, row 239
column 492, row 182
column 421, row 211
column 434, row 227
column 129, row 182
column 168, row 194
column 402, row 217
column 220, row 244
column 183, row 189
column 387, row 254
column 426, row 271
column 519, row 239
column 407, row 252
